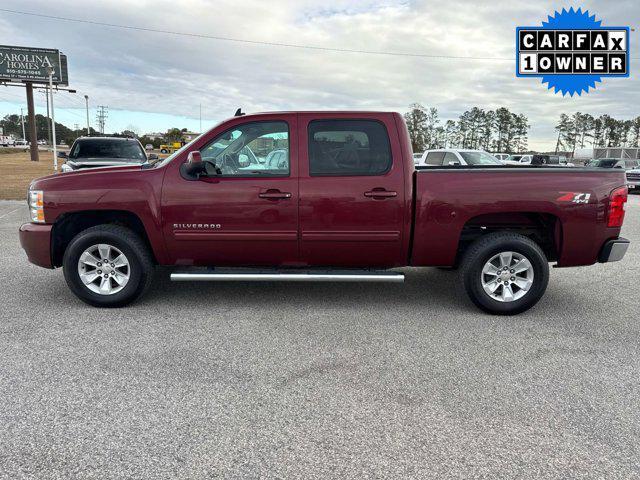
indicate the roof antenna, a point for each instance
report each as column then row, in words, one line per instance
column 238, row 112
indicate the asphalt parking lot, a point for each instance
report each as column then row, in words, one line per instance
column 319, row 380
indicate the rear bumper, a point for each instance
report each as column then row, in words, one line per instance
column 613, row 250
column 36, row 242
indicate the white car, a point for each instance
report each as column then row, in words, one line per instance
column 501, row 156
column 455, row 156
column 7, row 141
column 633, row 179
column 417, row 157
column 518, row 160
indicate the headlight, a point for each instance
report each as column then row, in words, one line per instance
column 36, row 205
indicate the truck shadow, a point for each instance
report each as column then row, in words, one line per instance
column 422, row 287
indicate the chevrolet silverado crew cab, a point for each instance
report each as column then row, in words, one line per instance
column 339, row 200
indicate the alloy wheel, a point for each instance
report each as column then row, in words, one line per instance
column 104, row 269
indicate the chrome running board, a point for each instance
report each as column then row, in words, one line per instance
column 361, row 276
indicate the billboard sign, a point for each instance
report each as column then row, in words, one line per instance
column 25, row 64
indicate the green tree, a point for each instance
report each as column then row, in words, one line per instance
column 416, row 120
column 173, row 135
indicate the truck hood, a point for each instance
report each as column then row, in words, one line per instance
column 88, row 173
column 115, row 187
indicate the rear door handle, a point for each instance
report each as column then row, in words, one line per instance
column 380, row 193
column 274, row 195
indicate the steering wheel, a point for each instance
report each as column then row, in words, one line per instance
column 229, row 164
column 210, row 167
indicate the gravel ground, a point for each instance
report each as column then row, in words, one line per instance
column 319, row 380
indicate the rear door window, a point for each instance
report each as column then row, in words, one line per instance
column 434, row 158
column 450, row 159
column 348, row 147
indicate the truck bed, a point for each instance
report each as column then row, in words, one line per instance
column 452, row 203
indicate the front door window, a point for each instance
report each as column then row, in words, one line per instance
column 256, row 149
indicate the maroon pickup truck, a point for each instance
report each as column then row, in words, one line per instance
column 320, row 196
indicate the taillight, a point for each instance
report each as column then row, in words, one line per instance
column 617, row 199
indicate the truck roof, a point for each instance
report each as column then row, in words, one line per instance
column 321, row 112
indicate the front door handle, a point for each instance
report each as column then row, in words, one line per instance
column 379, row 193
column 274, row 194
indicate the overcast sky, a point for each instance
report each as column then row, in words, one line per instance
column 155, row 81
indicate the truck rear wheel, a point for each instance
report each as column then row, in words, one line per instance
column 108, row 266
column 504, row 273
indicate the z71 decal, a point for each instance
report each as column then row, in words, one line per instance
column 574, row 197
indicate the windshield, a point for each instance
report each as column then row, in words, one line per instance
column 164, row 161
column 479, row 158
column 125, row 150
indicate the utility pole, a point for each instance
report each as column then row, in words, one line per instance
column 101, row 116
column 86, row 101
column 200, row 119
column 22, row 121
column 46, row 95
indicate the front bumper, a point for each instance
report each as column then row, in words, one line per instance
column 36, row 242
column 613, row 250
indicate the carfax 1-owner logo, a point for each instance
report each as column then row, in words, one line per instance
column 572, row 51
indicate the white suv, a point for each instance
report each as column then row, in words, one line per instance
column 454, row 156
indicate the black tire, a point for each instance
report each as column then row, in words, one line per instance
column 164, row 150
column 486, row 247
column 130, row 244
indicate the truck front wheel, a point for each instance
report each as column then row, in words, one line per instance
column 504, row 273
column 108, row 266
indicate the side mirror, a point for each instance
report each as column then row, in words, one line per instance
column 193, row 167
column 152, row 156
column 63, row 155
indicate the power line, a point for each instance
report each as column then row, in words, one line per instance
column 71, row 110
column 254, row 42
column 16, row 95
